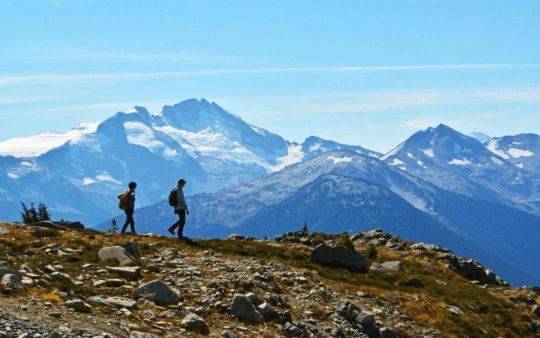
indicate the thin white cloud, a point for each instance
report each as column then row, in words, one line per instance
column 44, row 79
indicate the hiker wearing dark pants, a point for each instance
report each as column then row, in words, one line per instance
column 181, row 209
column 129, row 211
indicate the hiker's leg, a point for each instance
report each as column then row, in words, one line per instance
column 127, row 221
column 132, row 222
column 181, row 222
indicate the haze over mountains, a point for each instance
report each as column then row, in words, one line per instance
column 439, row 186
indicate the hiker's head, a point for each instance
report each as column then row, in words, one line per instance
column 132, row 185
column 181, row 183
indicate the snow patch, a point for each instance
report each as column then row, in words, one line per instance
column 142, row 135
column 420, row 163
column 428, row 152
column 403, row 168
column 27, row 164
column 314, row 147
column 517, row 153
column 459, row 162
column 132, row 111
column 88, row 181
column 496, row 160
column 36, row 145
column 396, row 162
column 410, row 155
column 520, row 165
column 294, row 155
column 493, row 146
column 338, row 160
column 13, row 176
column 516, row 142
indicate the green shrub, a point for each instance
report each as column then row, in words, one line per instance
column 45, row 233
column 345, row 241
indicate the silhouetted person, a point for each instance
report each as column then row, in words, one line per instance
column 181, row 209
column 129, row 211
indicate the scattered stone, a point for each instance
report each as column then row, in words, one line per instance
column 136, row 334
column 340, row 255
column 78, row 305
column 116, row 302
column 536, row 310
column 12, row 281
column 158, row 291
column 386, row 266
column 236, row 237
column 365, row 318
column 118, row 252
column 242, row 308
column 290, row 330
column 126, row 272
column 454, row 310
column 132, row 248
column 193, row 322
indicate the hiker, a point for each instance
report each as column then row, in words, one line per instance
column 181, row 209
column 130, row 209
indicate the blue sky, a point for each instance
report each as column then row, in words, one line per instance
column 368, row 73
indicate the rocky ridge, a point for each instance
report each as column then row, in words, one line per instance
column 60, row 287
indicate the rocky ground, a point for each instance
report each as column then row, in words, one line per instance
column 79, row 283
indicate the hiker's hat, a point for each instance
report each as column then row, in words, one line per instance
column 182, row 181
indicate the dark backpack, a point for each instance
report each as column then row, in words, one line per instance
column 124, row 200
column 173, row 200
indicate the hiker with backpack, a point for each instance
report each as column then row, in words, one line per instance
column 177, row 200
column 127, row 203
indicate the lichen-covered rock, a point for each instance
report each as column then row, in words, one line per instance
column 78, row 305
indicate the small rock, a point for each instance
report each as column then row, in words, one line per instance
column 193, row 322
column 454, row 310
column 158, row 291
column 243, row 308
column 417, row 283
column 290, row 330
column 365, row 318
column 78, row 305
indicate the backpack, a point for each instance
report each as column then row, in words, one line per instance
column 124, row 200
column 173, row 199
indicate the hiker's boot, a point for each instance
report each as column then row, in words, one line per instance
column 171, row 230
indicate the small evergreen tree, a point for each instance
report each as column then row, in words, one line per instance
column 114, row 227
column 43, row 214
column 305, row 228
column 26, row 217
column 34, row 214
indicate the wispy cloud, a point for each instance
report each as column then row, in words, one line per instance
column 19, row 80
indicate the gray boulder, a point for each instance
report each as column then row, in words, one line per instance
column 193, row 322
column 62, row 276
column 116, row 302
column 118, row 252
column 290, row 330
column 157, row 291
column 132, row 248
column 126, row 272
column 12, row 281
column 78, row 305
column 386, row 266
column 339, row 255
column 365, row 318
column 8, row 271
column 242, row 308
column 236, row 237
column 387, row 332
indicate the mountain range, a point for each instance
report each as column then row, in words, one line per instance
column 474, row 194
column 80, row 174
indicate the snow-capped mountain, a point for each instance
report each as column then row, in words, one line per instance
column 458, row 163
column 80, row 174
column 522, row 150
column 346, row 191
